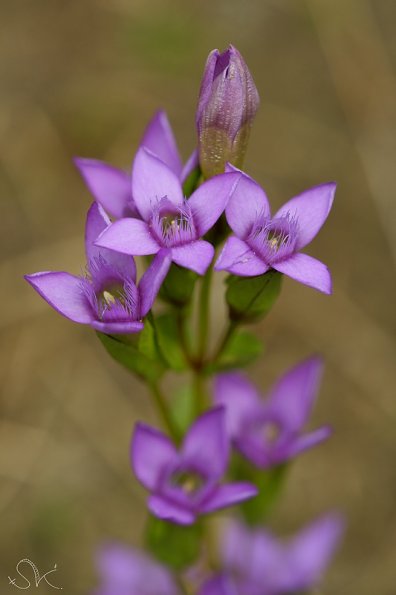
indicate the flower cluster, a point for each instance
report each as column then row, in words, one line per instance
column 217, row 453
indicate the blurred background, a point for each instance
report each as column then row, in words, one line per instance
column 83, row 78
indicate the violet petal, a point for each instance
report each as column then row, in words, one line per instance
column 153, row 180
column 97, row 221
column 117, row 328
column 239, row 397
column 293, row 396
column 206, row 443
column 310, row 209
column 168, row 511
column 151, row 451
column 306, row 270
column 237, row 258
column 229, row 494
column 196, row 256
column 247, row 203
column 160, row 140
column 210, row 199
column 63, row 292
column 152, row 279
column 110, row 186
column 129, row 236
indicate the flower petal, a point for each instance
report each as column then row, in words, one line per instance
column 151, row 451
column 110, row 186
column 247, row 203
column 129, row 236
column 206, row 443
column 306, row 270
column 97, row 221
column 208, row 202
column 237, row 258
column 64, row 293
column 253, row 554
column 293, row 396
column 152, row 279
column 152, row 180
column 196, row 256
column 117, row 328
column 311, row 209
column 124, row 570
column 221, row 584
column 160, row 140
column 239, row 397
column 310, row 552
column 307, row 441
column 168, row 511
column 191, row 163
column 229, row 494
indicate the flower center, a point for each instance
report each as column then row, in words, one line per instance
column 273, row 239
column 271, row 432
column 171, row 225
column 111, row 296
column 113, row 293
column 189, row 481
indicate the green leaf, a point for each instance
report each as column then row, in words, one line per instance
column 176, row 546
column 241, row 350
column 166, row 326
column 137, row 353
column 251, row 298
column 178, row 286
column 269, row 482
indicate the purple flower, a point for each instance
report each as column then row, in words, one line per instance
column 256, row 563
column 185, row 483
column 167, row 219
column 269, row 432
column 262, row 242
column 127, row 571
column 111, row 187
column 228, row 102
column 107, row 298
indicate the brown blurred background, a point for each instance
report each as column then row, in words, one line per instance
column 82, row 78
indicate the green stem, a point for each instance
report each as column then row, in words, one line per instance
column 164, row 411
column 224, row 341
column 203, row 315
column 182, row 327
column 203, row 332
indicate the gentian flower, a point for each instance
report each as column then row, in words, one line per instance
column 107, row 297
column 167, row 220
column 127, row 571
column 262, row 242
column 257, row 563
column 269, row 432
column 185, row 483
column 112, row 188
column 228, row 102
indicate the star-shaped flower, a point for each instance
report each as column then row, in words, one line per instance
column 125, row 571
column 167, row 219
column 185, row 483
column 262, row 242
column 269, row 431
column 107, row 298
column 255, row 562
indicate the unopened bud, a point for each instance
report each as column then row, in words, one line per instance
column 228, row 101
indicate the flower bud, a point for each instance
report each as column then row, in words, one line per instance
column 228, row 101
